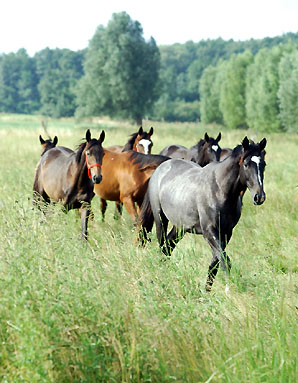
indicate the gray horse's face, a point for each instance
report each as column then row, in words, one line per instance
column 252, row 172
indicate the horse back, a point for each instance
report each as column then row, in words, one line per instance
column 55, row 173
column 175, row 151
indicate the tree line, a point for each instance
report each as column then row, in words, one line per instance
column 246, row 83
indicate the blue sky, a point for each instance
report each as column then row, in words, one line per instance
column 37, row 24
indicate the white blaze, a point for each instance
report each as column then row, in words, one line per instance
column 257, row 160
column 145, row 144
column 214, row 147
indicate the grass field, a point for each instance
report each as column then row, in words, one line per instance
column 110, row 311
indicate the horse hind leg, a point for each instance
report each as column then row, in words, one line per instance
column 118, row 210
column 173, row 238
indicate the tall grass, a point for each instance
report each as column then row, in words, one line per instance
column 109, row 311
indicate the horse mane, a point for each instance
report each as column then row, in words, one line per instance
column 79, row 152
column 130, row 142
column 145, row 160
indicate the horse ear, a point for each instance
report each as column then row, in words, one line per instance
column 140, row 130
column 206, row 137
column 218, row 137
column 55, row 141
column 150, row 131
column 262, row 144
column 245, row 143
column 88, row 135
column 42, row 141
column 102, row 137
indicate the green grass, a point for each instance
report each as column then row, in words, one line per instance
column 109, row 311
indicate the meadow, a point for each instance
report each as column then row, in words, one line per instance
column 110, row 311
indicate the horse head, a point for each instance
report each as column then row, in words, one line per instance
column 143, row 143
column 93, row 153
column 47, row 144
column 252, row 167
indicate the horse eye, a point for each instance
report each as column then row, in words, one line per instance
column 88, row 153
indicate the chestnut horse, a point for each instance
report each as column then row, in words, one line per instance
column 125, row 178
column 140, row 142
column 63, row 175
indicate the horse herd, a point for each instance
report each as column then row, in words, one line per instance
column 197, row 190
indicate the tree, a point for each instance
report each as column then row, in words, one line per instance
column 210, row 91
column 121, row 71
column 58, row 71
column 232, row 98
column 262, row 84
column 18, row 83
column 288, row 90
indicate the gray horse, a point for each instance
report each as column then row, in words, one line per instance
column 203, row 200
column 205, row 151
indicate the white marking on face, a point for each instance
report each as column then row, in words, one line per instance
column 214, row 147
column 257, row 160
column 145, row 144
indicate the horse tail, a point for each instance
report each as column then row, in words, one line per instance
column 145, row 219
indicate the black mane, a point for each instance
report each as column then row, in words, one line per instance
column 147, row 159
column 130, row 142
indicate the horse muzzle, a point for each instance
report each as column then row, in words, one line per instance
column 96, row 179
column 259, row 198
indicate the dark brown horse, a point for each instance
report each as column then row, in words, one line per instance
column 47, row 144
column 139, row 142
column 205, row 151
column 125, row 178
column 65, row 176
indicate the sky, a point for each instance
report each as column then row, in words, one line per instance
column 37, row 24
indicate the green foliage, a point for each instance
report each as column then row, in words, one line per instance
column 262, row 105
column 59, row 71
column 18, row 83
column 121, row 71
column 110, row 311
column 178, row 110
column 288, row 90
column 232, row 96
column 210, row 91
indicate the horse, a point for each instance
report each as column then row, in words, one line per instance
column 204, row 152
column 47, row 144
column 140, row 142
column 65, row 176
column 125, row 178
column 203, row 200
column 225, row 152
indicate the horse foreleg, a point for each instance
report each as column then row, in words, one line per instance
column 219, row 256
column 130, row 207
column 85, row 212
column 103, row 208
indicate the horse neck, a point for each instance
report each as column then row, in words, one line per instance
column 228, row 174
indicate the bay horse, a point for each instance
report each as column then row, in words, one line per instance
column 139, row 141
column 65, row 176
column 125, row 178
column 203, row 200
column 47, row 144
column 202, row 153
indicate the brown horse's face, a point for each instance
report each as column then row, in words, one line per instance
column 211, row 148
column 143, row 143
column 94, row 153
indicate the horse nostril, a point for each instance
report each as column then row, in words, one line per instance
column 256, row 198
